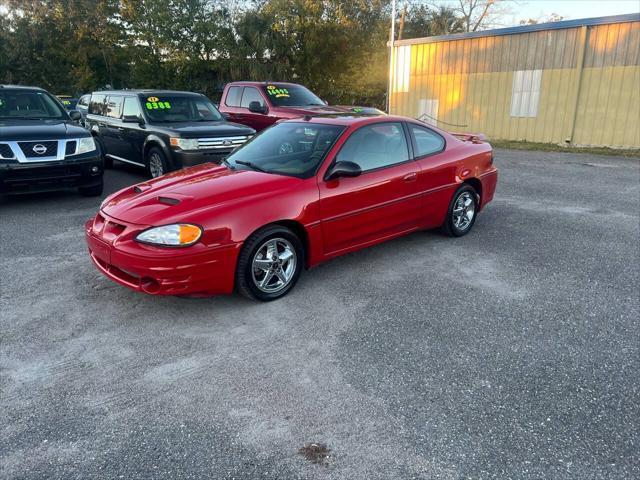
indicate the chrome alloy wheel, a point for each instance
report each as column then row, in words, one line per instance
column 464, row 211
column 274, row 265
column 155, row 165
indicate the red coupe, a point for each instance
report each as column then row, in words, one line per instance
column 297, row 194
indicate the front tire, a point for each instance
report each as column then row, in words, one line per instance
column 157, row 164
column 462, row 212
column 269, row 264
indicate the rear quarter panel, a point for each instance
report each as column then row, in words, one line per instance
column 443, row 173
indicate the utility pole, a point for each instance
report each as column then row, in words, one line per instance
column 404, row 13
column 393, row 36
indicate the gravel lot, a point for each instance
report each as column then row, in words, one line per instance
column 512, row 352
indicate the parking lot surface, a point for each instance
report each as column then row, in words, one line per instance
column 512, row 352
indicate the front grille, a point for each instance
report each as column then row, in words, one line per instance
column 222, row 143
column 70, row 149
column 5, row 151
column 43, row 149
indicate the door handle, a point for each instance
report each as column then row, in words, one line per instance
column 410, row 177
column 120, row 129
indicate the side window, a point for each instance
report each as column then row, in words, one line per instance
column 131, row 107
column 97, row 105
column 376, row 146
column 249, row 95
column 427, row 141
column 84, row 100
column 114, row 106
column 233, row 97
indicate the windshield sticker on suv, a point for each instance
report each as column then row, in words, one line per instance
column 154, row 103
column 277, row 92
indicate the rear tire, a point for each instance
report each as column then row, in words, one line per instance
column 269, row 264
column 157, row 164
column 92, row 191
column 462, row 212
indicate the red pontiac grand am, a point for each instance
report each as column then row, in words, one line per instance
column 297, row 194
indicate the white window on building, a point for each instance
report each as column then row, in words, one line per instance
column 402, row 68
column 525, row 96
column 428, row 111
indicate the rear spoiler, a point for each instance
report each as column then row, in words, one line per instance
column 471, row 137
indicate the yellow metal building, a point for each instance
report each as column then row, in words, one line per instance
column 575, row 82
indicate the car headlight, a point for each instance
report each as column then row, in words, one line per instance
column 85, row 145
column 176, row 235
column 184, row 143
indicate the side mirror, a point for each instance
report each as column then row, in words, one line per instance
column 325, row 102
column 257, row 107
column 343, row 169
column 132, row 119
column 75, row 115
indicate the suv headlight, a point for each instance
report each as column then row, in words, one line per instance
column 176, row 235
column 184, row 143
column 85, row 145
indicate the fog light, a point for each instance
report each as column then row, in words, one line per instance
column 94, row 169
column 149, row 285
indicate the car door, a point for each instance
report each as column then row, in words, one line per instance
column 110, row 125
column 436, row 172
column 383, row 201
column 256, row 120
column 132, row 133
column 82, row 107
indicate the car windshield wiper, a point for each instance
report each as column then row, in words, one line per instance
column 228, row 165
column 251, row 165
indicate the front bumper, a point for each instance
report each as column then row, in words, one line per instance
column 184, row 158
column 31, row 177
column 162, row 271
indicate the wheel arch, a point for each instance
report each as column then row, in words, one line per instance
column 297, row 228
column 477, row 186
column 153, row 141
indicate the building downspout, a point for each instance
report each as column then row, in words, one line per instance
column 584, row 32
column 393, row 36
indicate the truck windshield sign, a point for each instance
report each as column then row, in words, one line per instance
column 277, row 92
column 154, row 103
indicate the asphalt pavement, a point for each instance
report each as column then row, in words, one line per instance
column 510, row 353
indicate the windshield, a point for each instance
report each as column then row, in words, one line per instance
column 180, row 108
column 294, row 149
column 281, row 95
column 29, row 104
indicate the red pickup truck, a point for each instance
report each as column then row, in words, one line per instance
column 261, row 104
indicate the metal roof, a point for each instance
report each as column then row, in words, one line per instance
column 538, row 27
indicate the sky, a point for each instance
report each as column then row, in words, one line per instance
column 572, row 9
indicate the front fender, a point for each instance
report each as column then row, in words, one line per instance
column 157, row 141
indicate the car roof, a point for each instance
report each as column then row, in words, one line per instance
column 22, row 87
column 252, row 83
column 144, row 92
column 348, row 119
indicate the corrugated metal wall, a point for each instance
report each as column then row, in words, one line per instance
column 580, row 84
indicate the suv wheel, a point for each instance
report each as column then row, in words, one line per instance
column 269, row 264
column 157, row 164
